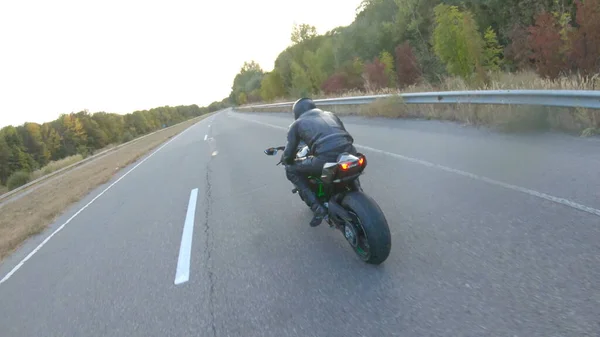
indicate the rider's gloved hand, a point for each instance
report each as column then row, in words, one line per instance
column 286, row 161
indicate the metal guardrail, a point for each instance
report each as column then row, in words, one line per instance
column 556, row 98
column 87, row 160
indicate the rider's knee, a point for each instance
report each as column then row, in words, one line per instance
column 290, row 173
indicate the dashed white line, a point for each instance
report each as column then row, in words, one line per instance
column 185, row 250
column 541, row 195
column 18, row 266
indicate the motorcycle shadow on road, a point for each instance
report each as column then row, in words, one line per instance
column 321, row 270
column 323, row 251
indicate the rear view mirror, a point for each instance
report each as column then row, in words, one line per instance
column 271, row 151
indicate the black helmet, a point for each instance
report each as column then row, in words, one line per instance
column 303, row 105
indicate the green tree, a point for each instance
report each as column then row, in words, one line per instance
column 247, row 81
column 301, row 83
column 356, row 71
column 302, row 32
column 5, row 155
column 96, row 137
column 272, row 86
column 492, row 52
column 414, row 24
column 326, row 58
column 313, row 69
column 51, row 140
column 456, row 41
column 33, row 143
column 72, row 134
column 242, row 98
column 18, row 158
column 388, row 61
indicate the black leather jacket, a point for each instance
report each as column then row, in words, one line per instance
column 322, row 131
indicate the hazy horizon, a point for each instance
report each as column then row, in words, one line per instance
column 68, row 56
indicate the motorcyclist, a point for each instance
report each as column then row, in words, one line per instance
column 326, row 137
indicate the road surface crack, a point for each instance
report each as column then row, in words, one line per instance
column 208, row 251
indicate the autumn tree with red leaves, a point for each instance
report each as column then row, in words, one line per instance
column 407, row 65
column 519, row 50
column 374, row 75
column 585, row 40
column 547, row 46
column 336, row 83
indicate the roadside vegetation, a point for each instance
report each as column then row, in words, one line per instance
column 32, row 150
column 396, row 46
column 31, row 213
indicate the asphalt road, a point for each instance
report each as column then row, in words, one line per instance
column 481, row 243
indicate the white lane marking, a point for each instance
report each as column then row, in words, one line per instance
column 541, row 195
column 185, row 250
column 205, row 137
column 18, row 266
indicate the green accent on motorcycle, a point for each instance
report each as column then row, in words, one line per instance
column 321, row 192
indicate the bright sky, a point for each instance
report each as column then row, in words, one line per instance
column 64, row 56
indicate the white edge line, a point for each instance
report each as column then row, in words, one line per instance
column 18, row 266
column 183, row 262
column 541, row 195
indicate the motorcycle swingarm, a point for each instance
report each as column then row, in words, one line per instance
column 337, row 211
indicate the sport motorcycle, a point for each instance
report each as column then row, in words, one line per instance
column 349, row 209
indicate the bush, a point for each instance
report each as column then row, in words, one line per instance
column 56, row 165
column 335, row 84
column 391, row 107
column 17, row 179
column 375, row 76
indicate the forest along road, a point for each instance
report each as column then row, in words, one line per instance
column 492, row 235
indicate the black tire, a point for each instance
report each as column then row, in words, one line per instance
column 373, row 223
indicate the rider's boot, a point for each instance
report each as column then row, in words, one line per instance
column 318, row 209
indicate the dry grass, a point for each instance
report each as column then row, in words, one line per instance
column 507, row 118
column 62, row 163
column 55, row 166
column 33, row 212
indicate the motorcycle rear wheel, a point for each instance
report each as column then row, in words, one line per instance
column 372, row 242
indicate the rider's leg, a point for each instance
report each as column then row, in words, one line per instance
column 297, row 174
